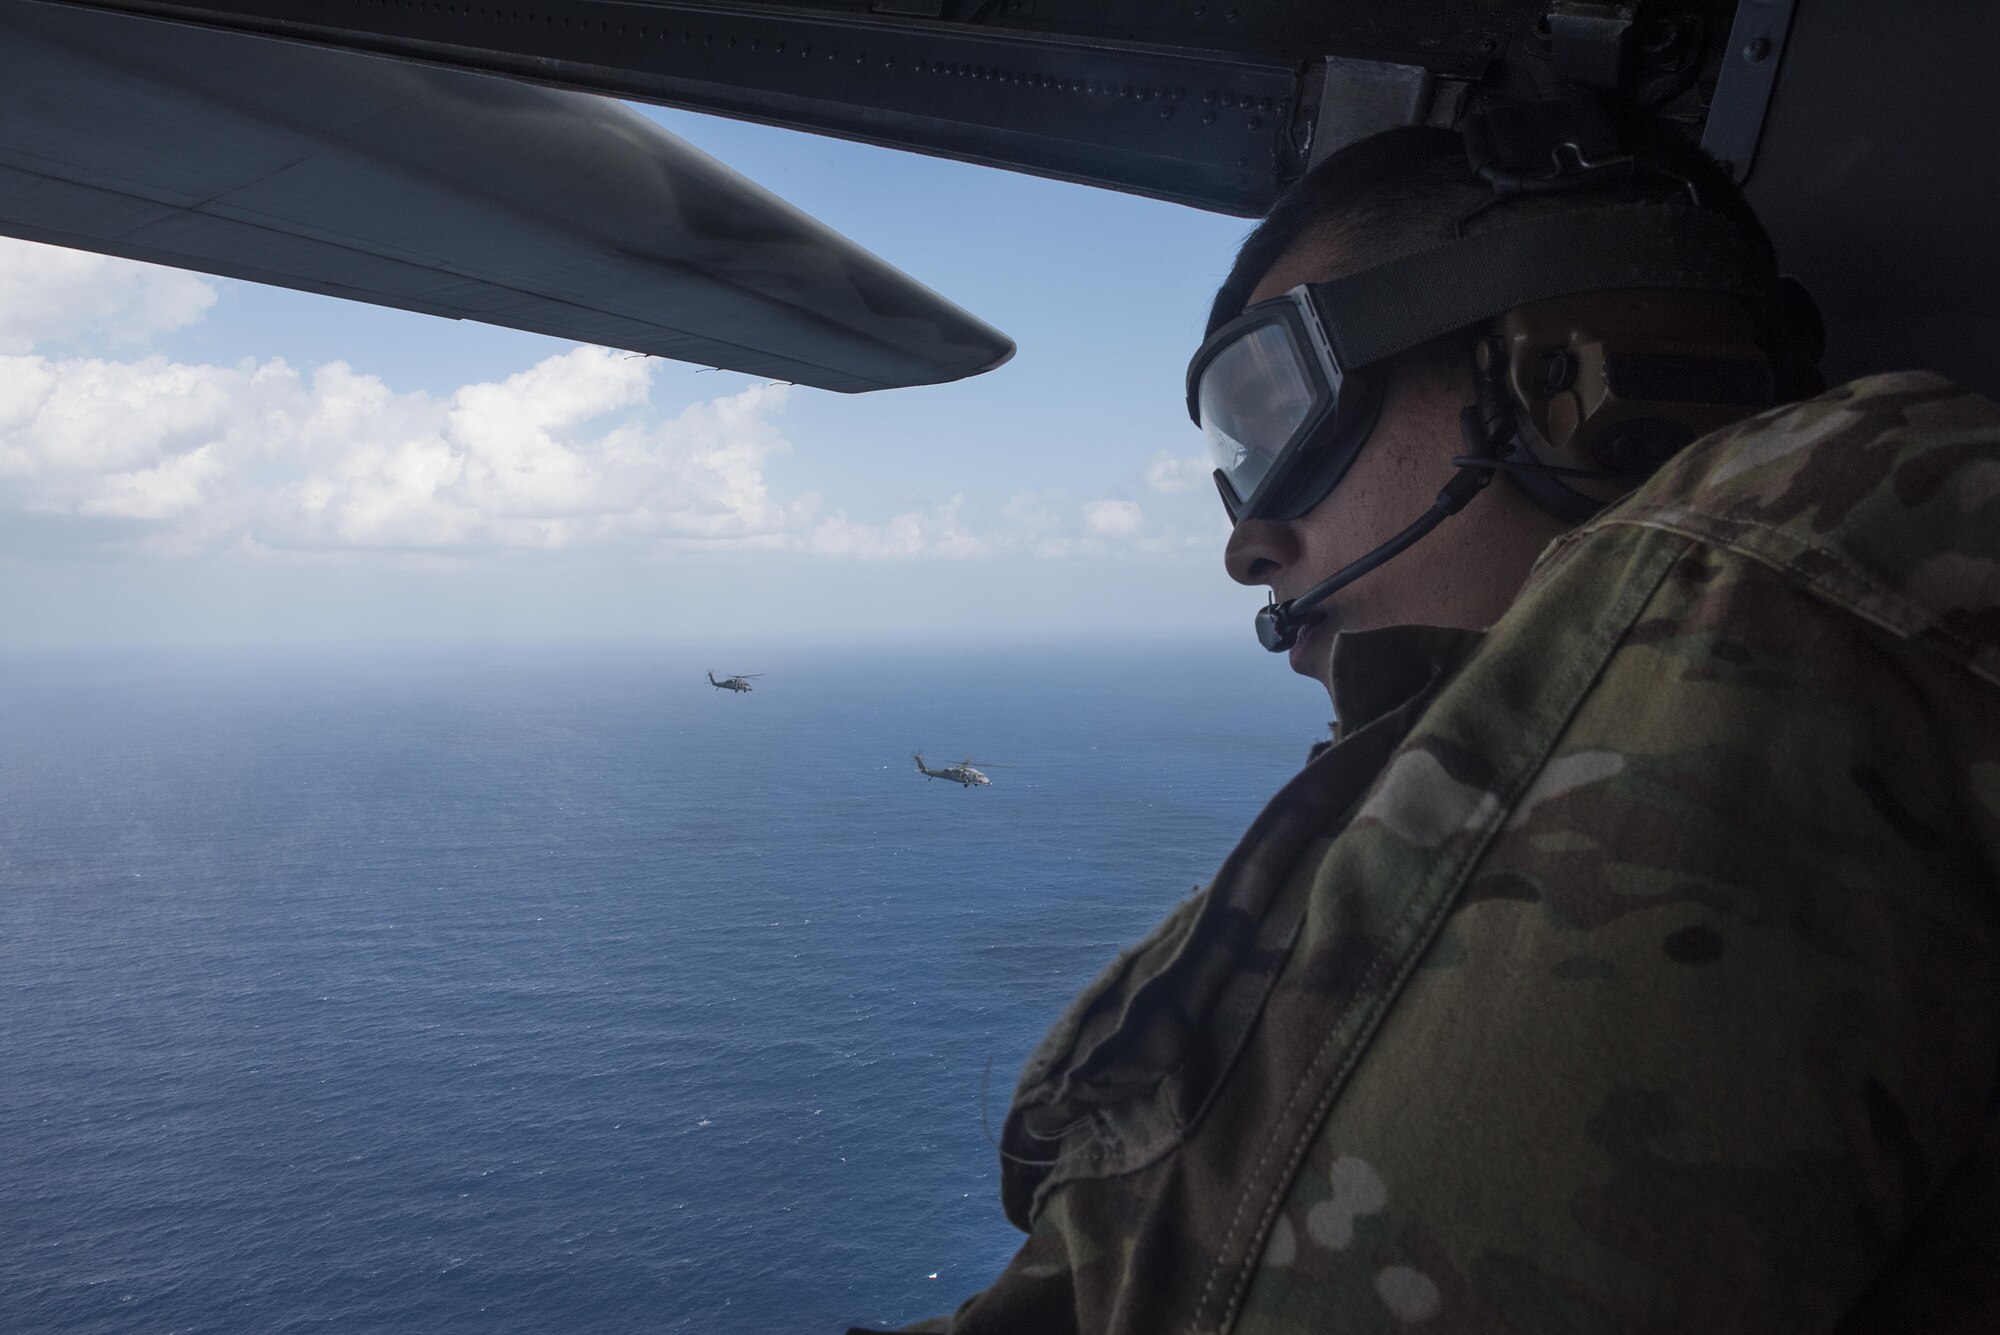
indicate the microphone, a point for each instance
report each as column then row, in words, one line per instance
column 1279, row 624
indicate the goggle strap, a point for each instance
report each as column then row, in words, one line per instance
column 1391, row 308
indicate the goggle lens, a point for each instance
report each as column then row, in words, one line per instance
column 1253, row 398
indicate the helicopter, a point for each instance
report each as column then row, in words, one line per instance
column 961, row 773
column 739, row 684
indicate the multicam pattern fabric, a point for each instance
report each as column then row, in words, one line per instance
column 1633, row 967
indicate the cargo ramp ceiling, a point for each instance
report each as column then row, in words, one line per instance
column 442, row 191
column 1866, row 130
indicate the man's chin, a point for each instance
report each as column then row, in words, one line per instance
column 1311, row 653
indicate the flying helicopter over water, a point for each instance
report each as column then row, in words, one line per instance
column 740, row 684
column 962, row 773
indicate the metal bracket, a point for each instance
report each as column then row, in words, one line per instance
column 1591, row 41
column 1359, row 98
column 1749, row 73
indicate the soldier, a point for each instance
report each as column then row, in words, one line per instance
column 1631, row 960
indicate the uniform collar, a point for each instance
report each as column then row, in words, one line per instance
column 1376, row 671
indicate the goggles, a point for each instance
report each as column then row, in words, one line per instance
column 1287, row 393
column 1282, row 418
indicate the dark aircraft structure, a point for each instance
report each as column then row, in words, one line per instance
column 1864, row 132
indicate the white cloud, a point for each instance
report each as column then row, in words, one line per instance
column 561, row 454
column 940, row 532
column 260, row 457
column 1169, row 473
column 172, row 486
column 1051, row 525
column 52, row 294
column 1112, row 519
column 1034, row 512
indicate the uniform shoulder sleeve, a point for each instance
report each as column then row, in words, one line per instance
column 1881, row 497
column 1708, row 1041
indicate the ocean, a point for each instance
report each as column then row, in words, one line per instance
column 539, row 990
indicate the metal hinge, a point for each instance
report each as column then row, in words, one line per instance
column 1749, row 73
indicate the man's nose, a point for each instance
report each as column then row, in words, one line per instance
column 1259, row 550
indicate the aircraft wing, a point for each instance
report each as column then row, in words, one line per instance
column 442, row 191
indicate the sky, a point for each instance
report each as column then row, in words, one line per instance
column 191, row 461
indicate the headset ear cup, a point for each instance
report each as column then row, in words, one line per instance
column 1502, row 409
column 1798, row 337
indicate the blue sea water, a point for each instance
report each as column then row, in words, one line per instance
column 554, row 991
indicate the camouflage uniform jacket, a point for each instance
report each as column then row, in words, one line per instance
column 1634, row 966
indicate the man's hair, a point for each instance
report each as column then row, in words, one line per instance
column 1402, row 191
